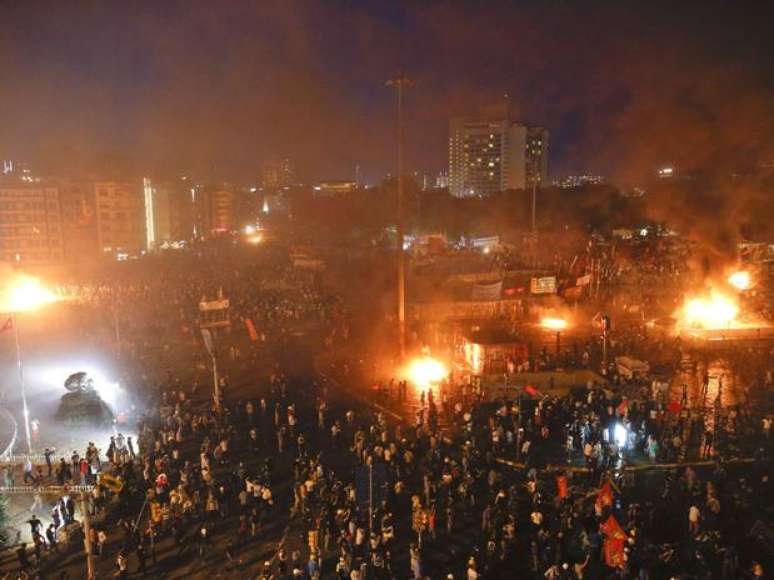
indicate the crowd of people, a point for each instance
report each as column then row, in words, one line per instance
column 304, row 474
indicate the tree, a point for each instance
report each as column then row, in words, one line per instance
column 3, row 519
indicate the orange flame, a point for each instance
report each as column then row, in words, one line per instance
column 553, row 323
column 715, row 311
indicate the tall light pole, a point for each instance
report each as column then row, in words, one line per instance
column 25, row 295
column 20, row 366
column 399, row 82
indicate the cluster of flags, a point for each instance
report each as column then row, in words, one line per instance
column 615, row 537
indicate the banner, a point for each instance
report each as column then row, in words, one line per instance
column 308, row 263
column 545, row 285
column 112, row 482
column 251, row 329
column 484, row 292
column 206, row 306
column 583, row 280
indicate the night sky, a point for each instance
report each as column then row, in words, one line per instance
column 213, row 88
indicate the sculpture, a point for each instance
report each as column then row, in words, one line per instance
column 82, row 405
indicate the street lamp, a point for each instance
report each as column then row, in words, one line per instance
column 25, row 295
column 400, row 82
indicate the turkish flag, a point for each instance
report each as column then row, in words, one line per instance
column 614, row 553
column 674, row 407
column 531, row 391
column 561, row 484
column 604, row 496
column 251, row 329
column 612, row 529
column 7, row 325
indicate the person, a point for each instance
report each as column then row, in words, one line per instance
column 693, row 520
column 21, row 555
column 35, row 524
column 28, row 471
column 204, row 540
column 122, row 566
column 51, row 538
column 48, row 453
column 101, row 541
column 141, row 556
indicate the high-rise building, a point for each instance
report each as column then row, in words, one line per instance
column 121, row 217
column 30, row 222
column 277, row 173
column 79, row 220
column 536, row 156
column 220, row 210
column 489, row 154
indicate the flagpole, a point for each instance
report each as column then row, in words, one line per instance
column 25, row 410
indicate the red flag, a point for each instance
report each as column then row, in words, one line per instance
column 531, row 390
column 251, row 329
column 604, row 496
column 674, row 407
column 623, row 408
column 612, row 529
column 614, row 553
column 561, row 484
column 7, row 325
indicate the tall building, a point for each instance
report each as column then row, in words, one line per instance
column 30, row 222
column 161, row 212
column 277, row 173
column 220, row 211
column 79, row 220
column 442, row 181
column 489, row 154
column 536, row 156
column 121, row 217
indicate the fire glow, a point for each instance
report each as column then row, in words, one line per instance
column 553, row 323
column 26, row 294
column 426, row 371
column 715, row 311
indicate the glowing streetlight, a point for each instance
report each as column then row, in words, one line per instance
column 25, row 295
column 740, row 280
